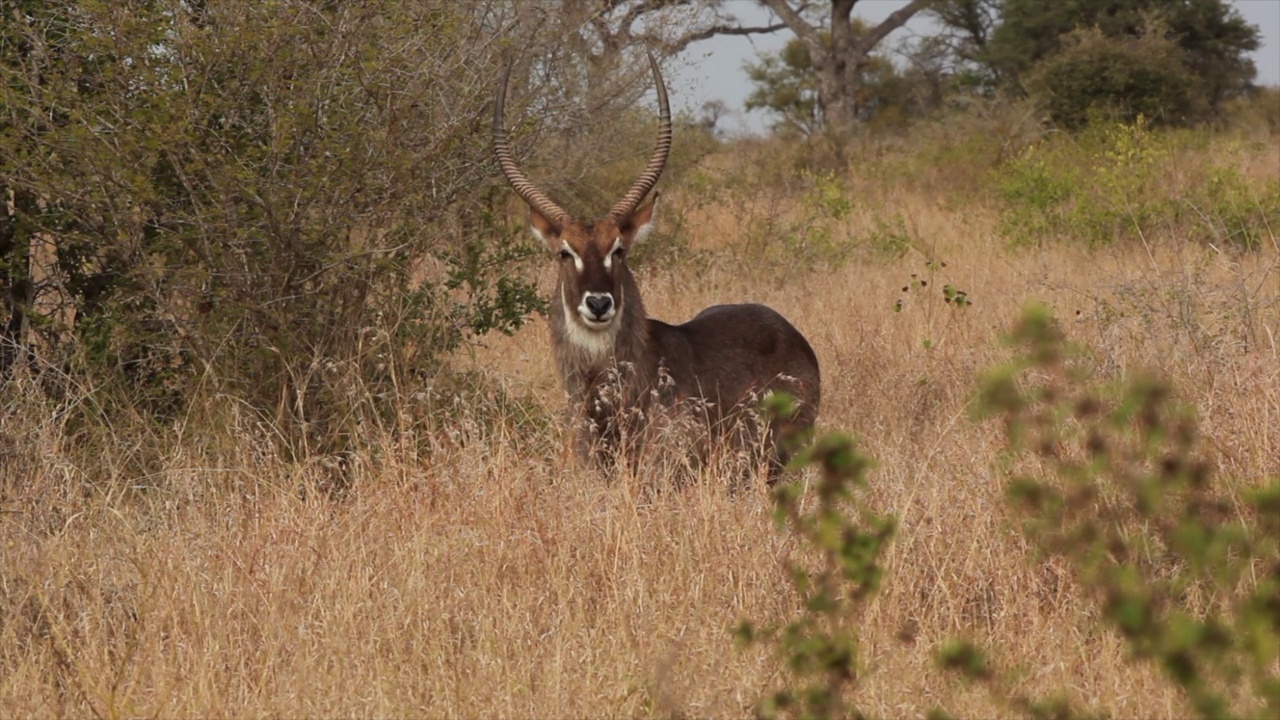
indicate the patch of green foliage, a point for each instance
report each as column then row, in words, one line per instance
column 820, row 648
column 816, row 235
column 1109, row 478
column 1112, row 182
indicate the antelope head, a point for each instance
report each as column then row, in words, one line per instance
column 591, row 257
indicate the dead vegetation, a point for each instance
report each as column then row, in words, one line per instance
column 471, row 568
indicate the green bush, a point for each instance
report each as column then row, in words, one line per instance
column 1109, row 478
column 1213, row 42
column 1234, row 211
column 1112, row 182
column 276, row 201
column 1117, row 77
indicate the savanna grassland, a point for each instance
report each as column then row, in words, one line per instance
column 471, row 567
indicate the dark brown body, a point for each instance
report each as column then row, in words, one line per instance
column 733, row 356
column 710, row 373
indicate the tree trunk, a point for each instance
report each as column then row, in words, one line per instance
column 15, row 283
column 844, row 58
column 838, row 59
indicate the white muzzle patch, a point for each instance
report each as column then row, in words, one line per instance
column 588, row 313
column 591, row 337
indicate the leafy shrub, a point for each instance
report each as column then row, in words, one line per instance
column 803, row 223
column 1115, row 182
column 1111, row 480
column 1234, row 211
column 1098, row 187
column 1117, row 77
column 818, row 237
column 232, row 198
column 820, row 648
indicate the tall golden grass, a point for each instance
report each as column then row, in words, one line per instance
column 473, row 569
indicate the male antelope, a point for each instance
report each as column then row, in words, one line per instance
column 615, row 362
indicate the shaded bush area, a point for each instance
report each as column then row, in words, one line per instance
column 272, row 200
column 289, row 204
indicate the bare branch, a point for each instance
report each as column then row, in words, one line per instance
column 896, row 19
column 708, row 32
column 614, row 23
column 795, row 21
column 635, row 12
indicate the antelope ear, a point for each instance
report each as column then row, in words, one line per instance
column 545, row 230
column 640, row 224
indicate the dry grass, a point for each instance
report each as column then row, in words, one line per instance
column 473, row 569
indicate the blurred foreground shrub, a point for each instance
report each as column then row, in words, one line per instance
column 1106, row 478
column 845, row 543
column 1184, row 566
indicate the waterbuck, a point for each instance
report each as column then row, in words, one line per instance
column 622, row 369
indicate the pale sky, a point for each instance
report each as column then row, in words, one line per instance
column 712, row 69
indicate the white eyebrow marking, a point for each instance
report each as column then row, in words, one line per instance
column 608, row 258
column 577, row 260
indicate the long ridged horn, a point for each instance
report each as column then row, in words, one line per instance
column 536, row 199
column 658, row 161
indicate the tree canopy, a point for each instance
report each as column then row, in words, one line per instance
column 1213, row 38
column 786, row 86
column 838, row 50
column 1170, row 60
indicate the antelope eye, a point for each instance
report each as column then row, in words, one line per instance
column 620, row 252
column 565, row 255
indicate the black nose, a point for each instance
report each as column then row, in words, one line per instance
column 599, row 304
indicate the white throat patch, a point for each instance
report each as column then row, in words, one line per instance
column 596, row 346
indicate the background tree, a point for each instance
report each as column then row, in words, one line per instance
column 1121, row 78
column 839, row 56
column 669, row 26
column 18, row 285
column 589, row 69
column 1214, row 39
column 787, row 87
column 966, row 28
column 601, row 40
